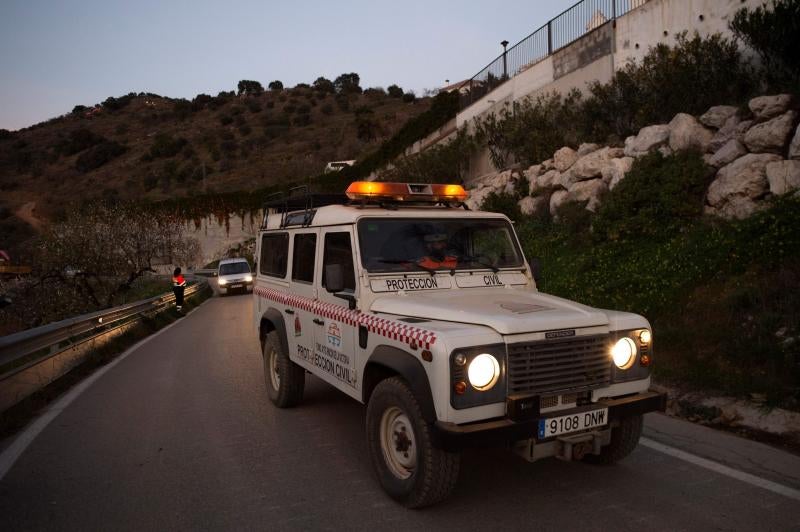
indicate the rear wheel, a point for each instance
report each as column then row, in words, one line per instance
column 285, row 380
column 409, row 468
column 624, row 439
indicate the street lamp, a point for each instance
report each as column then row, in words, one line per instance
column 505, row 64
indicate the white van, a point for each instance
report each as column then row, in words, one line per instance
column 234, row 274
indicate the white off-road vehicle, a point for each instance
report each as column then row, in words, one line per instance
column 429, row 314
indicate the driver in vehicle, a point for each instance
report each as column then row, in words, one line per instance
column 436, row 253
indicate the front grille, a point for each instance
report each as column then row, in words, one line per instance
column 579, row 363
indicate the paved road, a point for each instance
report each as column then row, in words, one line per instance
column 180, row 435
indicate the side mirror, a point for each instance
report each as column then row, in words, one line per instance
column 334, row 283
column 536, row 270
column 334, row 278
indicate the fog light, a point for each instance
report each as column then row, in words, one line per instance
column 624, row 353
column 483, row 371
column 645, row 337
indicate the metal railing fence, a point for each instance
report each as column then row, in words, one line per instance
column 566, row 28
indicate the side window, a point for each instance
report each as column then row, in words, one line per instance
column 303, row 259
column 274, row 254
column 338, row 250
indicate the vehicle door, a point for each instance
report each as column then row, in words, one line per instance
column 272, row 275
column 301, row 306
column 336, row 345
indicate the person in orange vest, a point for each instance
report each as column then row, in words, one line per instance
column 437, row 256
column 178, row 286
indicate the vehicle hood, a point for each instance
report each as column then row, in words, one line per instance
column 507, row 311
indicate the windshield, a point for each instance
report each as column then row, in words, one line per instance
column 392, row 245
column 234, row 267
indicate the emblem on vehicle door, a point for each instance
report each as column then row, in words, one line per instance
column 298, row 330
column 334, row 335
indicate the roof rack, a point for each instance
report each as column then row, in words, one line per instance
column 304, row 201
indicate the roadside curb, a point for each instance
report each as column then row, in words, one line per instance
column 764, row 423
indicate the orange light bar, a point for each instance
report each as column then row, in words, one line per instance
column 405, row 191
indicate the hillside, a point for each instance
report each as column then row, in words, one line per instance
column 148, row 147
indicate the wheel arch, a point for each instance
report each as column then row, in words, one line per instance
column 272, row 320
column 387, row 361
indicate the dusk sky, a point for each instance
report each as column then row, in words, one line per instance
column 55, row 55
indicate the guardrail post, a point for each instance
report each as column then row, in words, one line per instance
column 549, row 37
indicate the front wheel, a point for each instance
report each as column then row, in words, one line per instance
column 624, row 439
column 285, row 380
column 409, row 468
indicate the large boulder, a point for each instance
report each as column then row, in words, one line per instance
column 547, row 180
column 734, row 128
column 533, row 204
column 477, row 197
column 732, row 150
column 772, row 135
column 649, row 138
column 590, row 191
column 783, row 177
column 686, row 133
column 557, row 199
column 744, row 178
column 794, row 147
column 586, row 148
column 564, row 158
column 614, row 171
column 532, row 172
column 588, row 167
column 766, row 107
column 717, row 116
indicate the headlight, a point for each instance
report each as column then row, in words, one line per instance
column 624, row 353
column 248, row 278
column 483, row 372
column 222, row 282
column 645, row 336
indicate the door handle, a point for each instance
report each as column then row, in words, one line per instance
column 318, row 321
column 288, row 311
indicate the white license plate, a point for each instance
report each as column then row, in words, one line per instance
column 572, row 423
column 236, row 286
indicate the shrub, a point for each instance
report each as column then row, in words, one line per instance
column 98, row 155
column 409, row 97
column 225, row 120
column 326, row 109
column 252, row 105
column 394, row 91
column 78, row 140
column 665, row 83
column 181, row 108
column 530, row 130
column 503, row 202
column 301, row 119
column 249, row 87
column 115, row 104
column 324, row 85
column 200, row 102
column 275, row 85
column 775, row 35
column 244, row 130
column 375, row 92
column 343, row 102
column 660, row 195
column 78, row 109
column 164, row 145
column 347, row 83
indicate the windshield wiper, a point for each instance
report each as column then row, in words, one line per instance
column 431, row 271
column 476, row 260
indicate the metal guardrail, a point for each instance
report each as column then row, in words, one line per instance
column 37, row 351
column 566, row 28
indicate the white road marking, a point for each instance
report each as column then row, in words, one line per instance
column 10, row 455
column 753, row 480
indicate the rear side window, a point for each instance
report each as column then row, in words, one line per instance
column 274, row 254
column 338, row 250
column 303, row 259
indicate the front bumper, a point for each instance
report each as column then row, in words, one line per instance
column 452, row 437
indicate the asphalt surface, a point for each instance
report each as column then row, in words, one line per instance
column 180, row 435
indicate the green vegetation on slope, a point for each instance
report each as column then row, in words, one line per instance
column 723, row 297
